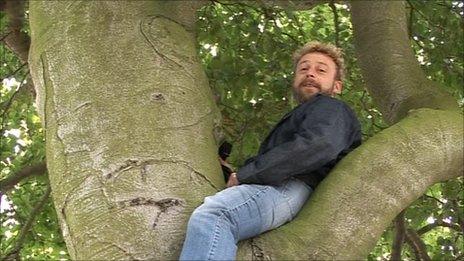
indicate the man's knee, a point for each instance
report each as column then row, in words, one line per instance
column 212, row 209
column 212, row 206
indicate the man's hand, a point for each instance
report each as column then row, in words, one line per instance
column 233, row 181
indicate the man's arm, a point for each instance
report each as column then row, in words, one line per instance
column 326, row 131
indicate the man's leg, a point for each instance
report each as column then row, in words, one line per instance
column 238, row 213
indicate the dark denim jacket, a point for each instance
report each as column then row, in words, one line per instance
column 306, row 144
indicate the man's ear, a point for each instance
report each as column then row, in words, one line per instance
column 337, row 88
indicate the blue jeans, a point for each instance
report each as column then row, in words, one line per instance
column 238, row 213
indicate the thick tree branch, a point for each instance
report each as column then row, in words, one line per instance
column 17, row 41
column 394, row 78
column 14, row 253
column 399, row 237
column 417, row 245
column 339, row 221
column 10, row 181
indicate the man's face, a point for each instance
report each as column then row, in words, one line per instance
column 315, row 73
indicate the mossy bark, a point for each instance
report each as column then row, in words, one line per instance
column 129, row 123
column 350, row 209
column 129, row 120
column 394, row 78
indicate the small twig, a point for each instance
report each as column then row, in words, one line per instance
column 287, row 34
column 454, row 10
column 291, row 37
column 15, row 72
column 458, row 258
column 300, row 28
column 417, row 245
column 5, row 36
column 336, row 24
column 425, row 17
column 439, row 223
column 14, row 253
column 9, row 182
column 399, row 237
column 434, row 198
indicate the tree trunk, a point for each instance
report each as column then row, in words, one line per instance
column 129, row 118
column 131, row 151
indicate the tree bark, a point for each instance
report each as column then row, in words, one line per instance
column 129, row 118
column 350, row 209
column 16, row 40
column 394, row 78
column 131, row 152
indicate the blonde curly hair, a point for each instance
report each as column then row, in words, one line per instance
column 325, row 48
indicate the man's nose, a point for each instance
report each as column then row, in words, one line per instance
column 310, row 73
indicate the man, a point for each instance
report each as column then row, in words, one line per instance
column 271, row 187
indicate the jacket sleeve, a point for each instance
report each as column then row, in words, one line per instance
column 325, row 131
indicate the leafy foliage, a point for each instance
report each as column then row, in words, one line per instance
column 246, row 52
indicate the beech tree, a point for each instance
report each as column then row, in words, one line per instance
column 132, row 124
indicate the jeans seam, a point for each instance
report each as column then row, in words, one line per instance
column 287, row 199
column 223, row 212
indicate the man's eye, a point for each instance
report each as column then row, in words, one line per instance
column 321, row 70
column 304, row 69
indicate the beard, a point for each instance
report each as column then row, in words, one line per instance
column 301, row 94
